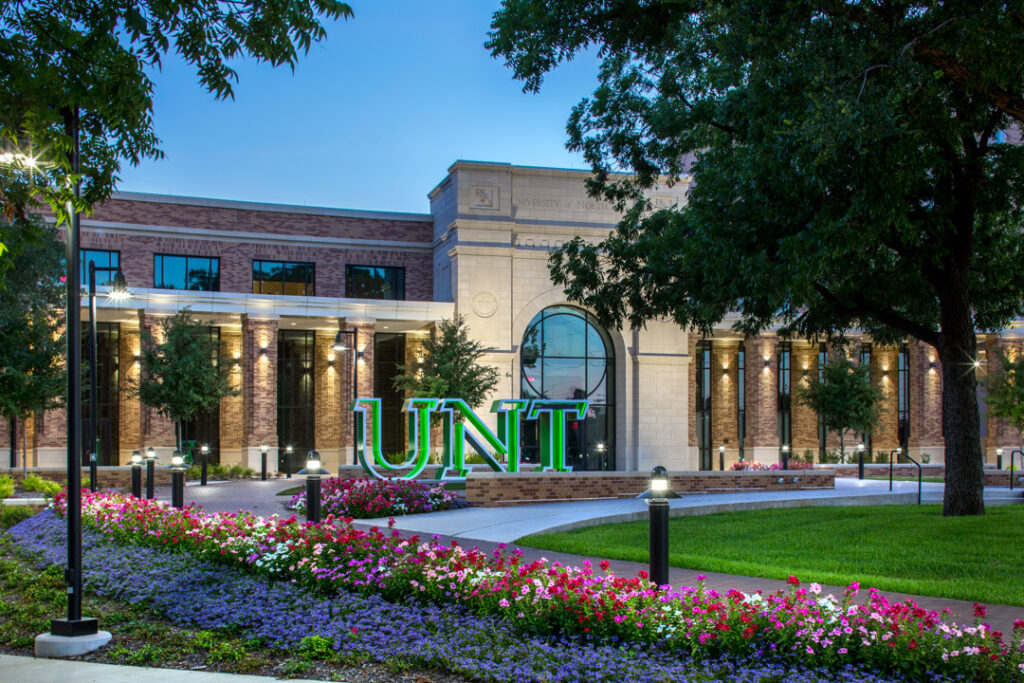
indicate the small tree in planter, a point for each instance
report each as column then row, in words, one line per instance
column 843, row 397
column 1006, row 391
column 179, row 377
column 450, row 367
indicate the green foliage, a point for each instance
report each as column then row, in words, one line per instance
column 32, row 377
column 843, row 397
column 1006, row 389
column 847, row 169
column 36, row 483
column 61, row 57
column 179, row 376
column 450, row 367
column 316, row 647
column 12, row 514
column 6, row 486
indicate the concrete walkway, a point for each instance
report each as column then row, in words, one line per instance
column 14, row 668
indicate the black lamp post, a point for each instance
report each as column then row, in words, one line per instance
column 860, row 460
column 150, row 474
column 721, row 458
column 136, row 474
column 312, row 472
column 785, row 456
column 999, row 458
column 339, row 345
column 657, row 506
column 177, row 480
column 263, row 462
column 204, row 458
column 288, row 461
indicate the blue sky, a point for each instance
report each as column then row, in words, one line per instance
column 370, row 119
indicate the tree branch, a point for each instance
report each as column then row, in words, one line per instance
column 1010, row 103
column 862, row 309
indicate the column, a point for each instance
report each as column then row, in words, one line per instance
column 259, row 390
column 724, row 418
column 157, row 430
column 328, row 368
column 805, row 420
column 231, row 407
column 129, row 408
column 762, row 399
column 885, row 364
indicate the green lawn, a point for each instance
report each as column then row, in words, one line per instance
column 909, row 549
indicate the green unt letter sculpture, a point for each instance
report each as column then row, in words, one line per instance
column 469, row 429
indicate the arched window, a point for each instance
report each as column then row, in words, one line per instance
column 565, row 354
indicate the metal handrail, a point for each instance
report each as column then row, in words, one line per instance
column 919, row 471
column 1013, row 453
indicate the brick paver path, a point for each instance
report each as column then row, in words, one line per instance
column 260, row 497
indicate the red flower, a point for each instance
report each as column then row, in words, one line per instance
column 980, row 610
column 793, row 581
column 604, row 565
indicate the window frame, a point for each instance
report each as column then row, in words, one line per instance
column 309, row 282
column 84, row 265
column 398, row 270
column 162, row 284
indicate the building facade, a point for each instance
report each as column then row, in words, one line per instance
column 275, row 284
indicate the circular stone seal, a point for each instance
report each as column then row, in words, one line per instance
column 485, row 304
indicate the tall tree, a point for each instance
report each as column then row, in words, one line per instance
column 31, row 331
column 180, row 377
column 61, row 56
column 451, row 367
column 843, row 397
column 849, row 169
column 1005, row 390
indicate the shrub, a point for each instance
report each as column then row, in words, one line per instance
column 236, row 472
column 36, row 483
column 368, row 498
column 6, row 486
column 12, row 514
column 881, row 457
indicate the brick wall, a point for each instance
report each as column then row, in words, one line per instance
column 106, row 477
column 129, row 405
column 762, row 392
column 236, row 257
column 492, row 489
column 259, row 375
column 805, row 420
column 157, row 429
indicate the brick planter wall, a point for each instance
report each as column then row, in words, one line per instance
column 107, row 477
column 492, row 489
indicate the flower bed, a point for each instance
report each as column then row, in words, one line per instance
column 371, row 498
column 799, row 626
column 291, row 619
column 755, row 466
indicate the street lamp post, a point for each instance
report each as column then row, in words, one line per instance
column 177, row 480
column 150, row 473
column 999, row 458
column 313, row 487
column 136, row 474
column 204, row 458
column 657, row 507
column 118, row 292
column 339, row 345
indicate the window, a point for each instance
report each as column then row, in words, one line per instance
column 785, row 395
column 865, row 437
column 741, row 398
column 296, row 397
column 103, row 259
column 903, row 397
column 566, row 355
column 374, row 282
column 282, row 277
column 703, row 415
column 197, row 273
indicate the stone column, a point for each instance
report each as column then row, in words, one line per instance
column 231, row 407
column 1000, row 433
column 129, row 408
column 661, row 371
column 805, row 420
column 259, row 390
column 724, row 419
column 762, row 399
column 885, row 364
column 925, row 403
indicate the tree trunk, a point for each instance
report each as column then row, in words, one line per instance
column 964, row 492
column 13, row 425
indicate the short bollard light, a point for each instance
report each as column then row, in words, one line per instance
column 136, row 474
column 263, row 462
column 204, row 459
column 999, row 458
column 288, row 461
column 312, row 472
column 785, row 456
column 93, row 475
column 657, row 505
column 177, row 480
column 721, row 458
column 860, row 460
column 150, row 472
